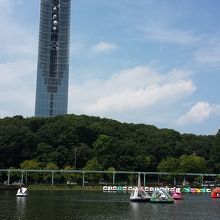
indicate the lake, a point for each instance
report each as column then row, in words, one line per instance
column 54, row 205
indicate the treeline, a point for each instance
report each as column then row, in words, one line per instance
column 102, row 144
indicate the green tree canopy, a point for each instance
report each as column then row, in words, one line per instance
column 192, row 164
column 51, row 166
column 131, row 147
column 215, row 153
column 170, row 164
column 93, row 165
column 30, row 165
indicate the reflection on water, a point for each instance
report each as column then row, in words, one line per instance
column 20, row 205
column 134, row 206
column 135, row 209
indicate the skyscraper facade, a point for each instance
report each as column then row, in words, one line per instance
column 53, row 58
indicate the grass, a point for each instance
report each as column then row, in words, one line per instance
column 65, row 188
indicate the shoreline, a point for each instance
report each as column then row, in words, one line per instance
column 97, row 188
column 53, row 188
column 64, row 188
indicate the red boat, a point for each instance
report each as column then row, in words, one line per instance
column 215, row 193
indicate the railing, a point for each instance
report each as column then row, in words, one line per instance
column 114, row 173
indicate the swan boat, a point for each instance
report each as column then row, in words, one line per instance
column 161, row 196
column 22, row 191
column 139, row 195
column 215, row 193
column 177, row 195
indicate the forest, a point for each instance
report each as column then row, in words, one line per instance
column 93, row 143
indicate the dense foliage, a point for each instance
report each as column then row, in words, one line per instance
column 102, row 144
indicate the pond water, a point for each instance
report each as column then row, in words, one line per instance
column 52, row 205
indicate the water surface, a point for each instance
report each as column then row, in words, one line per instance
column 55, row 205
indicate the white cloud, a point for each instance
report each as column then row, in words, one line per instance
column 200, row 112
column 209, row 55
column 131, row 89
column 14, row 73
column 17, row 87
column 16, row 41
column 8, row 6
column 76, row 47
column 104, row 47
column 169, row 35
column 17, row 63
column 143, row 97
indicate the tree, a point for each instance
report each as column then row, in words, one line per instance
column 136, row 147
column 51, row 166
column 91, row 166
column 17, row 143
column 192, row 164
column 32, row 165
column 43, row 152
column 215, row 153
column 111, row 169
column 84, row 153
column 104, row 149
column 170, row 164
column 60, row 156
column 142, row 162
column 109, row 176
column 71, row 177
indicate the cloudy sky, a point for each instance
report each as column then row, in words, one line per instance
column 146, row 61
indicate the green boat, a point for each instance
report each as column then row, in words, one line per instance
column 161, row 196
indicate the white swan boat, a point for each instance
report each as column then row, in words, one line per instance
column 22, row 191
column 139, row 195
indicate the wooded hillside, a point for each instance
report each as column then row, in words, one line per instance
column 103, row 144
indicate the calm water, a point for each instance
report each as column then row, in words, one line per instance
column 98, row 205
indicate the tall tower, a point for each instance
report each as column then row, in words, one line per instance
column 53, row 58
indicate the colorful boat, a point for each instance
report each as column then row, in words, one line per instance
column 161, row 196
column 215, row 193
column 177, row 195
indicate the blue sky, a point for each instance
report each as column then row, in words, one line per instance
column 145, row 61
